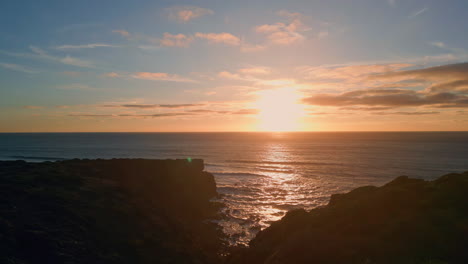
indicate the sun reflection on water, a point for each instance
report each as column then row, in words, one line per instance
column 258, row 201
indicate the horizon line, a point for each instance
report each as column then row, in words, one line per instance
column 278, row 132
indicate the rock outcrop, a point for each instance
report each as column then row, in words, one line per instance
column 404, row 221
column 157, row 211
column 108, row 211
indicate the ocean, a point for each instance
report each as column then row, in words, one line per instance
column 263, row 175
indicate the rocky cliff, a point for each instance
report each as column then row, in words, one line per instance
column 404, row 221
column 107, row 211
column 158, row 211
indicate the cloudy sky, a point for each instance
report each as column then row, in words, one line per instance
column 167, row 65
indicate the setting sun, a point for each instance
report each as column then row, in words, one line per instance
column 280, row 110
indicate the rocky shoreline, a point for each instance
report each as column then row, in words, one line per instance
column 405, row 221
column 159, row 211
column 108, row 211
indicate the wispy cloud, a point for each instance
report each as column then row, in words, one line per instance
column 16, row 67
column 418, row 12
column 229, row 75
column 152, row 106
column 284, row 33
column 160, row 76
column 80, row 26
column 149, row 47
column 455, row 54
column 348, row 72
column 122, row 32
column 147, row 42
column 447, row 88
column 76, row 86
column 111, row 75
column 193, row 112
column 450, row 86
column 246, row 112
column 348, row 76
column 167, row 40
column 85, row 46
column 177, row 40
column 255, row 70
column 437, row 87
column 74, row 61
column 35, row 107
column 158, row 115
column 151, row 76
column 223, row 38
column 178, row 105
column 389, row 97
column 91, row 115
column 374, row 108
column 184, row 14
column 258, row 78
column 155, row 115
column 458, row 71
column 72, row 73
column 285, row 82
column 247, row 47
column 407, row 113
column 438, row 44
column 38, row 53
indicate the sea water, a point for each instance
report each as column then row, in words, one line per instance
column 263, row 175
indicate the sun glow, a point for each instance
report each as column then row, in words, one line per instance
column 280, row 110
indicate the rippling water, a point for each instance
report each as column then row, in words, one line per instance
column 263, row 175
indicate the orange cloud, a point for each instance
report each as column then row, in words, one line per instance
column 111, row 75
column 224, row 38
column 160, row 76
column 246, row 47
column 255, row 70
column 32, row 107
column 152, row 106
column 391, row 98
column 457, row 71
column 178, row 40
column 184, row 14
column 284, row 33
column 228, row 75
column 350, row 73
column 86, row 115
column 86, row 46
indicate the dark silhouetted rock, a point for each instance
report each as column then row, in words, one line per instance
column 404, row 221
column 156, row 211
column 108, row 211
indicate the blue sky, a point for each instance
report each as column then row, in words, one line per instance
column 209, row 65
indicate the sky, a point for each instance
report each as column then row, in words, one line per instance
column 182, row 66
